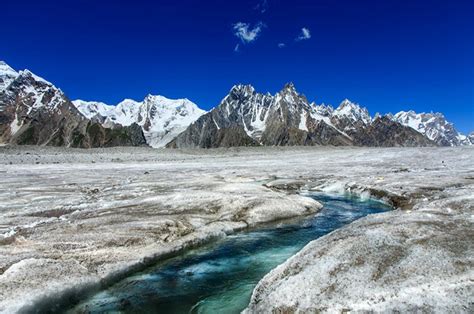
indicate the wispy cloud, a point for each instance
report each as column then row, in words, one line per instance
column 246, row 33
column 304, row 35
column 262, row 6
column 237, row 47
column 281, row 45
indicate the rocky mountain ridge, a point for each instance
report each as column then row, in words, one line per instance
column 161, row 119
column 35, row 112
column 245, row 117
column 434, row 126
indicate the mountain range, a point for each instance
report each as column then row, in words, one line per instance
column 33, row 111
column 161, row 119
column 246, row 117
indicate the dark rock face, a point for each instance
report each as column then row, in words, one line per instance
column 245, row 117
column 98, row 136
column 325, row 134
column 34, row 112
column 233, row 136
column 387, row 133
column 204, row 134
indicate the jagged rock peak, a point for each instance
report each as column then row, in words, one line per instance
column 289, row 87
column 28, row 74
column 242, row 89
column 7, row 75
column 347, row 103
column 323, row 109
column 353, row 111
column 290, row 94
column 470, row 137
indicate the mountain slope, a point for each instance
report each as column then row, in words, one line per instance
column 384, row 132
column 161, row 119
column 7, row 75
column 34, row 112
column 287, row 118
column 470, row 138
column 350, row 117
column 434, row 126
column 252, row 118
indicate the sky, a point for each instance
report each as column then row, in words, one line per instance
column 386, row 55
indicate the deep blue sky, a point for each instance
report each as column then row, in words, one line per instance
column 387, row 55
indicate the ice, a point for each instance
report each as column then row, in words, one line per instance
column 81, row 216
column 14, row 126
column 302, row 125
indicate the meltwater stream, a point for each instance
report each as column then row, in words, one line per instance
column 220, row 277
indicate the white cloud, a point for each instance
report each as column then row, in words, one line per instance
column 281, row 45
column 262, row 6
column 304, row 35
column 246, row 33
column 236, row 49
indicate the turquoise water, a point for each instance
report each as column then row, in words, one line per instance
column 219, row 278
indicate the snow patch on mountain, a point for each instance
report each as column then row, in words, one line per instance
column 302, row 125
column 15, row 125
column 259, row 118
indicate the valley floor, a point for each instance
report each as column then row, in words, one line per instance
column 72, row 219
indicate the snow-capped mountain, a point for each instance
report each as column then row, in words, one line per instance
column 161, row 119
column 33, row 111
column 245, row 117
column 470, row 137
column 434, row 126
column 7, row 75
column 94, row 109
column 352, row 111
column 349, row 117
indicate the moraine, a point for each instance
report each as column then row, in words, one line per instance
column 220, row 277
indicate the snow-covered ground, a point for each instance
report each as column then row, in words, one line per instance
column 70, row 217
